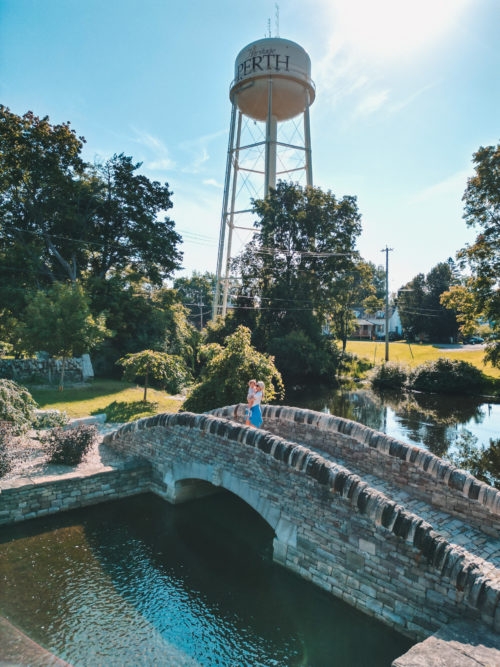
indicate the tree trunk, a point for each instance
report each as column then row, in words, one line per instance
column 145, row 387
column 61, row 380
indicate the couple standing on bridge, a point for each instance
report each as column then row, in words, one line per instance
column 253, row 416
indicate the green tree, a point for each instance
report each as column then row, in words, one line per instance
column 130, row 223
column 420, row 307
column 196, row 294
column 167, row 369
column 141, row 316
column 224, row 379
column 42, row 202
column 294, row 270
column 480, row 297
column 59, row 321
column 61, row 219
column 352, row 289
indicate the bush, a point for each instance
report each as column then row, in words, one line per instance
column 224, row 379
column 389, row 375
column 5, row 459
column 50, row 419
column 447, row 376
column 16, row 406
column 69, row 447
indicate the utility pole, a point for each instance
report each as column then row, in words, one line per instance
column 387, row 251
column 201, row 305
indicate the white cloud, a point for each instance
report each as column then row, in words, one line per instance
column 159, row 157
column 453, row 185
column 213, row 182
column 398, row 106
column 372, row 103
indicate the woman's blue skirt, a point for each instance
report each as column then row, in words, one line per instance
column 256, row 416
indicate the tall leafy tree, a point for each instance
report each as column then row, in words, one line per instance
column 43, row 196
column 420, row 307
column 304, row 245
column 130, row 223
column 61, row 219
column 480, row 297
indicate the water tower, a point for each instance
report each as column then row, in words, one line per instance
column 269, row 137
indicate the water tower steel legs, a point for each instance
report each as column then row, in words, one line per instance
column 231, row 214
column 222, row 234
column 271, row 138
column 271, row 144
column 307, row 142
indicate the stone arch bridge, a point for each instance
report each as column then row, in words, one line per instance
column 388, row 527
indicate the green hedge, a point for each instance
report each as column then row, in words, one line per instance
column 446, row 376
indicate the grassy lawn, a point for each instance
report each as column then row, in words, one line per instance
column 402, row 352
column 121, row 401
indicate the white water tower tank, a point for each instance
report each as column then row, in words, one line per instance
column 289, row 67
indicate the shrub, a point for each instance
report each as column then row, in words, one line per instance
column 354, row 366
column 389, row 375
column 16, row 406
column 69, row 447
column 5, row 459
column 50, row 419
column 225, row 376
column 447, row 376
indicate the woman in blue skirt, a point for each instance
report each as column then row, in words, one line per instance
column 255, row 412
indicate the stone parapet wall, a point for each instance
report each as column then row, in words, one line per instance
column 331, row 527
column 426, row 476
column 39, row 371
column 48, row 495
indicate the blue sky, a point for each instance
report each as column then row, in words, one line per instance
column 406, row 92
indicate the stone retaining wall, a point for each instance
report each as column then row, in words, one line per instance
column 40, row 371
column 331, row 527
column 413, row 468
column 48, row 495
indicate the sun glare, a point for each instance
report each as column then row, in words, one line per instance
column 388, row 29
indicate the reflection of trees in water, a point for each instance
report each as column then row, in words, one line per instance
column 431, row 420
column 362, row 406
column 483, row 462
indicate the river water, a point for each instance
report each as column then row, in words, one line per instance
column 141, row 582
column 435, row 421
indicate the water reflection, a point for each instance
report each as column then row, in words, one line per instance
column 434, row 421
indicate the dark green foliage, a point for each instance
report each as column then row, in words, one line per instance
column 5, row 458
column 58, row 321
column 295, row 274
column 141, row 317
column 423, row 316
column 390, row 375
column 196, row 294
column 16, row 406
column 447, row 376
column 299, row 359
column 69, row 447
column 482, row 211
column 482, row 462
column 225, row 376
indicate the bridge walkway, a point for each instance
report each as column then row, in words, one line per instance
column 458, row 532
